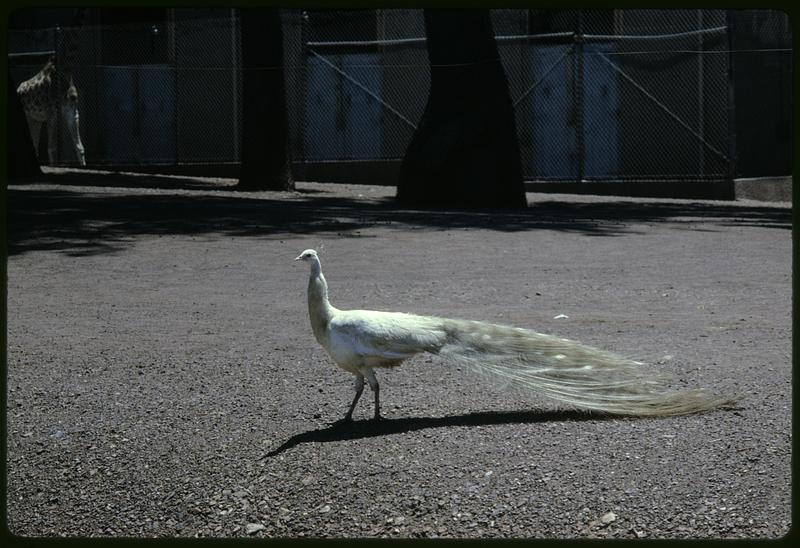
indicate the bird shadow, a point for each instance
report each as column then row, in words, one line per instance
column 341, row 431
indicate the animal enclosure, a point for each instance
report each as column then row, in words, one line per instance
column 598, row 94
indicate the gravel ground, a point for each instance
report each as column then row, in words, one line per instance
column 163, row 379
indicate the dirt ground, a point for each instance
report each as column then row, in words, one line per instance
column 163, row 379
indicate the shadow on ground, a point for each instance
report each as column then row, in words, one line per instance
column 341, row 431
column 77, row 220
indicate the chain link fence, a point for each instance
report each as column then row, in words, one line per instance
column 365, row 83
column 598, row 94
column 613, row 95
column 761, row 57
column 161, row 92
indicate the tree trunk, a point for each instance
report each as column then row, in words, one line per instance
column 22, row 161
column 265, row 147
column 465, row 151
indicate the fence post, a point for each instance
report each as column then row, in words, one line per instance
column 729, row 24
column 57, row 159
column 302, row 86
column 701, row 89
column 172, row 58
column 235, row 60
column 579, row 97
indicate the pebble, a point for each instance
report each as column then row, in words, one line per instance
column 253, row 528
column 608, row 518
column 201, row 451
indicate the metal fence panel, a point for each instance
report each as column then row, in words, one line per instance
column 208, row 88
column 598, row 94
column 380, row 80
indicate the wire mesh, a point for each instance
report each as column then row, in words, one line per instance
column 625, row 94
column 366, row 79
column 761, row 57
column 158, row 92
column 598, row 94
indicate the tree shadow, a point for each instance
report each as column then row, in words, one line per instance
column 115, row 179
column 143, row 181
column 81, row 221
column 370, row 428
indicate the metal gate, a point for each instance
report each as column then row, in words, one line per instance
column 648, row 98
column 599, row 95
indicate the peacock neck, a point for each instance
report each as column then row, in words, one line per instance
column 320, row 310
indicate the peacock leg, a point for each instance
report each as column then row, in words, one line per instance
column 359, row 386
column 373, row 384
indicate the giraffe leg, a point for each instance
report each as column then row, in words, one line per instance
column 52, row 139
column 35, row 127
column 71, row 118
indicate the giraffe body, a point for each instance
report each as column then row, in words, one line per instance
column 50, row 97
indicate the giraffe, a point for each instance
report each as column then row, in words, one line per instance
column 51, row 96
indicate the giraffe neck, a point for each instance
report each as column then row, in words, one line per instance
column 51, row 96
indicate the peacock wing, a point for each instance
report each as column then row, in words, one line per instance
column 390, row 335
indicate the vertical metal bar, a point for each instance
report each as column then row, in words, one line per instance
column 58, row 90
column 729, row 23
column 137, row 110
column 578, row 82
column 700, row 96
column 97, row 45
column 302, row 87
column 176, row 111
column 383, row 76
column 235, row 87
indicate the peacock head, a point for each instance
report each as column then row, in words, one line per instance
column 309, row 256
